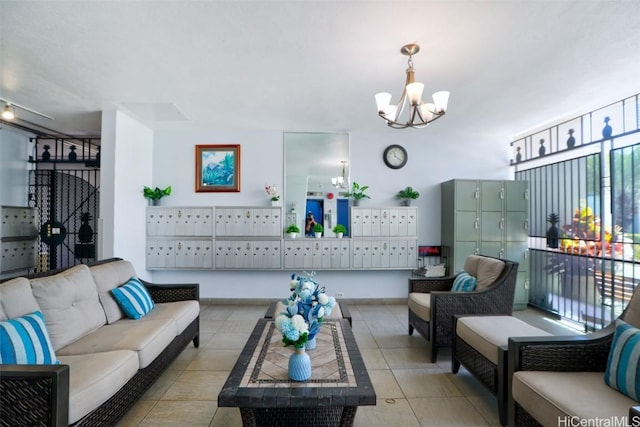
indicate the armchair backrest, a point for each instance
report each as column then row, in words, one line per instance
column 485, row 269
column 631, row 314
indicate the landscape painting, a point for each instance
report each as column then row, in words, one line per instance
column 218, row 168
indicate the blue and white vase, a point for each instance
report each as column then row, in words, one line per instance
column 310, row 344
column 299, row 365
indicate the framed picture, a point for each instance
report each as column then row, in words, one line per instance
column 217, row 168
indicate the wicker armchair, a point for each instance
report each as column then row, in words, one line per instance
column 435, row 319
column 588, row 353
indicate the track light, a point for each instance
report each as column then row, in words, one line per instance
column 8, row 113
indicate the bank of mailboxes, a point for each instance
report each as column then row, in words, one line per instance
column 18, row 235
column 251, row 238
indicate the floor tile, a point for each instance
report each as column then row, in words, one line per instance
column 174, row 413
column 426, row 383
column 447, row 412
column 386, row 412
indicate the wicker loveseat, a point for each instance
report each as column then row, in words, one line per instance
column 561, row 380
column 432, row 305
column 107, row 361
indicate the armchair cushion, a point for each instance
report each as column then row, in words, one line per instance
column 623, row 365
column 420, row 304
column 485, row 269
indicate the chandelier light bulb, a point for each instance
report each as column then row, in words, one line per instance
column 441, row 99
column 414, row 91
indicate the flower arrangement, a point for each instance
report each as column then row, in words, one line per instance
column 305, row 310
column 272, row 192
column 582, row 236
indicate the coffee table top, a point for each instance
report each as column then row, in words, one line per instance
column 260, row 378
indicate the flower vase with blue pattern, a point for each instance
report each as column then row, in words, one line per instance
column 310, row 344
column 299, row 365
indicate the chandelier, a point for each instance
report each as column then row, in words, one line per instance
column 341, row 181
column 420, row 112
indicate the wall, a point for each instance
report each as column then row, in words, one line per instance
column 15, row 148
column 434, row 158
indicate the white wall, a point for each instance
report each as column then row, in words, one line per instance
column 126, row 167
column 15, row 148
column 432, row 160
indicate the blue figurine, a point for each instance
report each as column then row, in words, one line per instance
column 571, row 141
column 607, row 130
column 542, row 150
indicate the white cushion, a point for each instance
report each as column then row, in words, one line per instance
column 16, row 299
column 148, row 339
column 487, row 334
column 70, row 304
column 108, row 276
column 552, row 396
column 94, row 378
column 420, row 304
column 182, row 313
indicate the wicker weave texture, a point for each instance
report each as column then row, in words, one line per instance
column 295, row 417
column 485, row 371
column 26, row 401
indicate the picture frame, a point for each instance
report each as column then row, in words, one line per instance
column 218, row 168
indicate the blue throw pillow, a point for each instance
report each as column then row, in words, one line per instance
column 464, row 282
column 623, row 365
column 133, row 298
column 25, row 340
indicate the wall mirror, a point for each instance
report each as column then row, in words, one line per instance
column 316, row 179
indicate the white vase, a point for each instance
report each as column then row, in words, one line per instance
column 276, row 203
column 292, row 235
column 339, row 235
column 318, row 234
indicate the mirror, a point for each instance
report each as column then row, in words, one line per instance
column 311, row 161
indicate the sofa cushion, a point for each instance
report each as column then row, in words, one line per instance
column 94, row 378
column 16, row 299
column 148, row 339
column 464, row 282
column 133, row 298
column 24, row 340
column 420, row 304
column 182, row 313
column 108, row 276
column 551, row 396
column 471, row 264
column 623, row 365
column 70, row 304
column 487, row 334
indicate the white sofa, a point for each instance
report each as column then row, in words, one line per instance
column 107, row 360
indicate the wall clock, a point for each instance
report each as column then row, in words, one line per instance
column 395, row 156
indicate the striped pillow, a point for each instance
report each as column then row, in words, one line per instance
column 623, row 371
column 464, row 282
column 133, row 298
column 24, row 340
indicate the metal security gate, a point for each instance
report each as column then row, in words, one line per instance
column 65, row 188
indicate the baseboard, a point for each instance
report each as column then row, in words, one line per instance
column 263, row 301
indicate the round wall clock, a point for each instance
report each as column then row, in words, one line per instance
column 395, row 156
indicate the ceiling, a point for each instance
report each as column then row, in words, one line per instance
column 314, row 65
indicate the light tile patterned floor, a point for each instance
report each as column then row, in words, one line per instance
column 411, row 391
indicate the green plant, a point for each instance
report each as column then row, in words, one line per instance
column 293, row 229
column 357, row 191
column 339, row 228
column 408, row 193
column 157, row 193
column 318, row 228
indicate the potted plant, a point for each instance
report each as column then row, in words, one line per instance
column 154, row 195
column 407, row 195
column 339, row 229
column 318, row 229
column 357, row 193
column 292, row 231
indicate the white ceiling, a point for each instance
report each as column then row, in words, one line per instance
column 314, row 65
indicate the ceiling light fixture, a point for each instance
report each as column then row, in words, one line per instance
column 341, row 181
column 8, row 112
column 420, row 113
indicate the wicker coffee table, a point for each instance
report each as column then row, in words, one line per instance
column 259, row 384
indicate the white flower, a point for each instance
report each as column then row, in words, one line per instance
column 279, row 320
column 298, row 322
column 309, row 286
column 321, row 312
column 323, row 299
column 293, row 284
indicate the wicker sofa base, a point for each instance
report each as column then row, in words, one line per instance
column 117, row 406
column 523, row 419
column 423, row 327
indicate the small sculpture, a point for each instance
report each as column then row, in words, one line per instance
column 571, row 141
column 607, row 130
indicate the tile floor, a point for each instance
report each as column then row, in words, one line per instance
column 411, row 391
